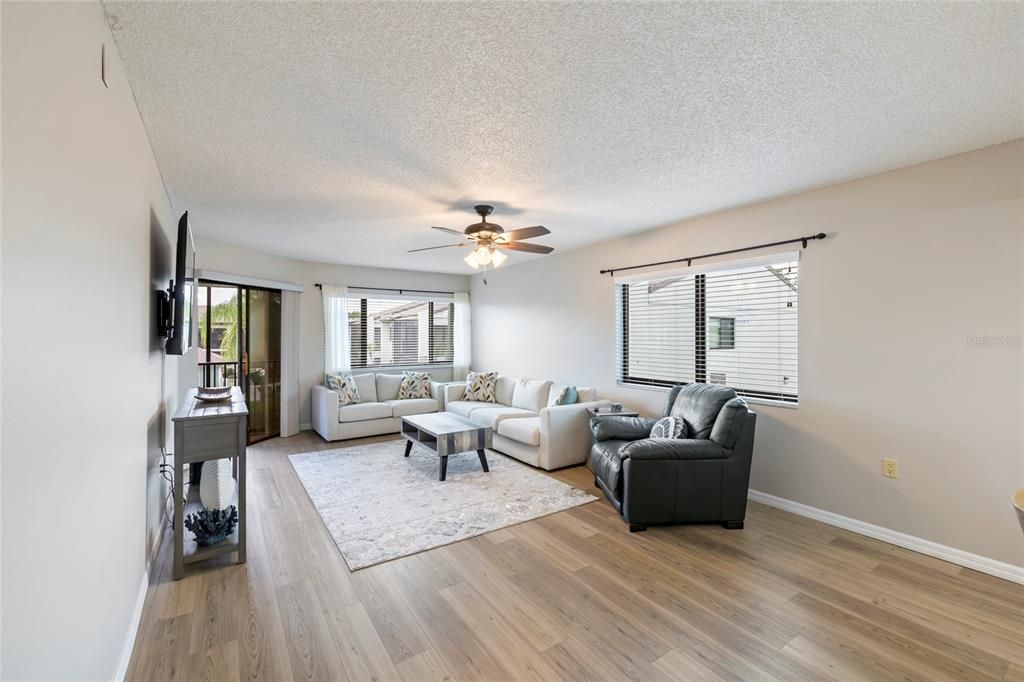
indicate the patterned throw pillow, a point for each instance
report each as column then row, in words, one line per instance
column 414, row 385
column 667, row 427
column 345, row 386
column 480, row 386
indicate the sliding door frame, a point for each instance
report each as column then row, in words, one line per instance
column 243, row 342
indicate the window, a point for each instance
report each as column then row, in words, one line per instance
column 734, row 325
column 721, row 333
column 393, row 332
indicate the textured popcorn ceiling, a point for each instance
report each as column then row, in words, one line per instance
column 341, row 132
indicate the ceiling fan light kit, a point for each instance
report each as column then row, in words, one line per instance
column 484, row 255
column 487, row 240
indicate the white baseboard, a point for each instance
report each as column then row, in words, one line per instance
column 154, row 548
column 1000, row 569
column 140, row 601
column 133, row 629
column 306, row 427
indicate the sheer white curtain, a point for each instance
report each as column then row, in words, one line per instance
column 460, row 362
column 336, row 340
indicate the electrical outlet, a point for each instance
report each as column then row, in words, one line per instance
column 889, row 469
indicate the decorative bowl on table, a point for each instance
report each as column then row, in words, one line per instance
column 213, row 394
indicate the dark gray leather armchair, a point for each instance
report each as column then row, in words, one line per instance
column 699, row 479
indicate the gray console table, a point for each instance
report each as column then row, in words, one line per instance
column 205, row 431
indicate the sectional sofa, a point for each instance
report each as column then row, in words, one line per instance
column 526, row 424
column 378, row 411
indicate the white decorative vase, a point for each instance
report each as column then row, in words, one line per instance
column 216, row 485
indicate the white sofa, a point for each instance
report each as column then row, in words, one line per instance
column 378, row 410
column 526, row 426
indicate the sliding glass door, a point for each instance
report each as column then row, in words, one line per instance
column 262, row 357
column 240, row 345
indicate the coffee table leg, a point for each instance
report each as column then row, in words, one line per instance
column 408, row 447
column 483, row 459
column 444, row 468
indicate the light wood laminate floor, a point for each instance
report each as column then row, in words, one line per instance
column 573, row 596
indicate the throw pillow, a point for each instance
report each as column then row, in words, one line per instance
column 566, row 396
column 667, row 427
column 480, row 386
column 345, row 386
column 414, row 385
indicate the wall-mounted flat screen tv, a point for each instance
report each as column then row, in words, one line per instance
column 182, row 293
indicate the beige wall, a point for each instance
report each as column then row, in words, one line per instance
column 918, row 261
column 88, row 237
column 237, row 260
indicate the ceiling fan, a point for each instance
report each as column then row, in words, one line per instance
column 487, row 238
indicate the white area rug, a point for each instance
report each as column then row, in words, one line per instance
column 379, row 505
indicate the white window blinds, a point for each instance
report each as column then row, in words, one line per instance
column 399, row 331
column 734, row 324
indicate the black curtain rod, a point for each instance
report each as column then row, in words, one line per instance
column 689, row 259
column 318, row 285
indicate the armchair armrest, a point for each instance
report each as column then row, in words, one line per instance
column 674, row 448
column 454, row 391
column 610, row 427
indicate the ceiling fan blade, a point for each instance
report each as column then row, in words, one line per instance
column 525, row 233
column 446, row 246
column 445, row 229
column 529, row 248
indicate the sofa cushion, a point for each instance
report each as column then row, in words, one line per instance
column 388, row 385
column 554, row 393
column 367, row 385
column 504, row 390
column 408, row 406
column 526, row 431
column 698, row 405
column 606, row 462
column 492, row 416
column 530, row 394
column 464, row 408
column 585, row 395
column 360, row 412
